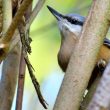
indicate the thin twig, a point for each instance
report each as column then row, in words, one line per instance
column 21, row 83
column 33, row 15
column 30, row 67
column 35, row 11
column 22, row 68
column 35, row 82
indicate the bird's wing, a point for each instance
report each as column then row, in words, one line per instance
column 107, row 42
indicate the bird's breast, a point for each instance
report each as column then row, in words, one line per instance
column 64, row 57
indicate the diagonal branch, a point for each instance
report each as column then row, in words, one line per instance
column 35, row 11
column 89, row 95
column 22, row 67
column 31, row 69
column 84, row 57
column 35, row 82
column 9, row 34
column 26, row 49
column 5, row 41
column 101, row 98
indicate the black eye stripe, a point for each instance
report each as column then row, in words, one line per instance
column 73, row 21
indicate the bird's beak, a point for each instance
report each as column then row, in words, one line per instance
column 55, row 13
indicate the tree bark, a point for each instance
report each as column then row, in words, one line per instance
column 101, row 98
column 89, row 95
column 84, row 57
column 9, row 78
column 10, row 66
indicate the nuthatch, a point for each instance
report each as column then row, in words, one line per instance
column 70, row 26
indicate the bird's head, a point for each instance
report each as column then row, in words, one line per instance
column 70, row 23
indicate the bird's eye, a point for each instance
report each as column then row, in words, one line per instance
column 74, row 21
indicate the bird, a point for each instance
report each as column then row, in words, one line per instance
column 70, row 26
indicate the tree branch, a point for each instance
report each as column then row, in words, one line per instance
column 9, row 78
column 35, row 11
column 101, row 99
column 7, row 14
column 9, row 71
column 27, row 49
column 21, row 79
column 88, row 97
column 84, row 57
column 9, row 34
column 1, row 16
column 10, row 65
column 5, row 41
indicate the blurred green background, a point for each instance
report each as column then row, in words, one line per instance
column 45, row 46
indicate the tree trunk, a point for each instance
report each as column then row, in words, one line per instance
column 84, row 57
